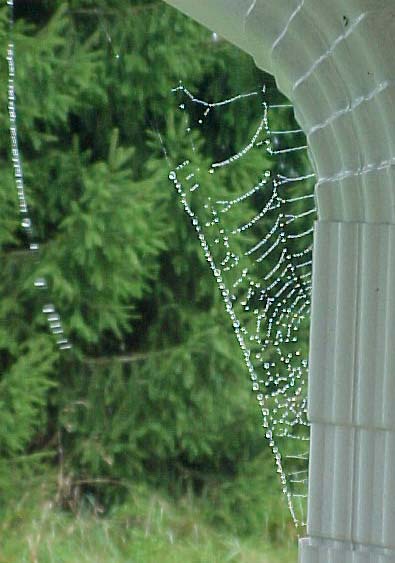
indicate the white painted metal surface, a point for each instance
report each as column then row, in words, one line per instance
column 335, row 61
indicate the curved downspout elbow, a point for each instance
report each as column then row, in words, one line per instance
column 227, row 18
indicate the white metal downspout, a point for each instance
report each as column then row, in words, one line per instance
column 335, row 61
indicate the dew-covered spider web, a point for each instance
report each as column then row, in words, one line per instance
column 257, row 239
column 258, row 245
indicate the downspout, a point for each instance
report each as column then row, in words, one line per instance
column 335, row 61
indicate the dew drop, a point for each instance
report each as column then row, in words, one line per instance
column 49, row 308
column 41, row 283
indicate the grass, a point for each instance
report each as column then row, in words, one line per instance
column 146, row 529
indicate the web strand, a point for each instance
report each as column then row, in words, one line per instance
column 51, row 313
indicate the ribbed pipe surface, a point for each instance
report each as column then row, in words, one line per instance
column 334, row 60
column 338, row 552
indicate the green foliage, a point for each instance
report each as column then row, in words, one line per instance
column 192, row 422
column 155, row 388
column 23, row 390
column 105, row 251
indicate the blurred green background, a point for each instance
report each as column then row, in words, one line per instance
column 143, row 442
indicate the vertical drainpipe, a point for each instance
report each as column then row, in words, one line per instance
column 335, row 61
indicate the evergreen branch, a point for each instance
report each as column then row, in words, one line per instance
column 16, row 253
column 128, row 359
column 142, row 356
column 103, row 12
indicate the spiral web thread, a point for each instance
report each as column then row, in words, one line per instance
column 263, row 268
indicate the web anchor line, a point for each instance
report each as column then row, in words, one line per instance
column 52, row 315
column 257, row 240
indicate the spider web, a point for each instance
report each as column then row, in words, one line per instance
column 258, row 244
column 262, row 263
